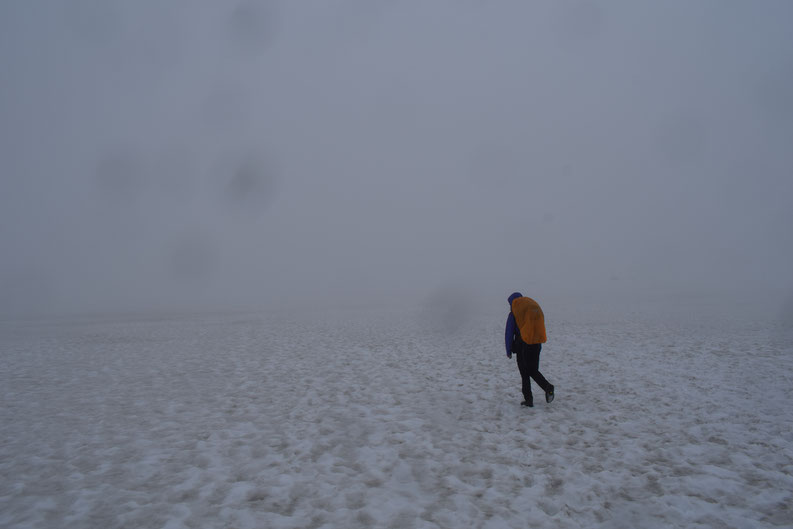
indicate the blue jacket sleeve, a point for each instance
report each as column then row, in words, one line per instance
column 509, row 334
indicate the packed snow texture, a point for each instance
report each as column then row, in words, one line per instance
column 377, row 419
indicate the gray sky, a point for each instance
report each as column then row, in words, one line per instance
column 218, row 154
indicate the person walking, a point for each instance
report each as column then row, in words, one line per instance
column 524, row 336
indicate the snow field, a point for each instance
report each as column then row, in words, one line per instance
column 372, row 419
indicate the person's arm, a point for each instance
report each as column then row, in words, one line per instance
column 509, row 334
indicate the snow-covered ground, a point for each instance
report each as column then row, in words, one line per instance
column 373, row 419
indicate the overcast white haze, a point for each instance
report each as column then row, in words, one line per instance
column 247, row 154
column 255, row 259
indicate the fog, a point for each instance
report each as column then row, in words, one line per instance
column 222, row 155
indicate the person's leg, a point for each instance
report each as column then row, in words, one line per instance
column 525, row 370
column 533, row 364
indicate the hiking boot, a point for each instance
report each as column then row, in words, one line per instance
column 529, row 403
column 549, row 395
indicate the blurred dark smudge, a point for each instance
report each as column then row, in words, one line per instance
column 252, row 25
column 447, row 309
column 251, row 184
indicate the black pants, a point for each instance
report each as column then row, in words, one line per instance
column 529, row 364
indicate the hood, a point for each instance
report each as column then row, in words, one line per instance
column 514, row 296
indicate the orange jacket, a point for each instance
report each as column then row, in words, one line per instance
column 530, row 320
